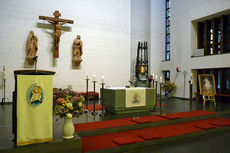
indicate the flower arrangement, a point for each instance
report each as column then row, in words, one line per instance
column 170, row 87
column 149, row 77
column 67, row 103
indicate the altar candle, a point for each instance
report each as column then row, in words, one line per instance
column 87, row 75
column 153, row 76
column 161, row 79
column 191, row 81
column 4, row 71
column 156, row 78
column 94, row 77
column 102, row 79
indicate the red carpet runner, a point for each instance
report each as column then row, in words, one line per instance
column 93, row 143
column 131, row 121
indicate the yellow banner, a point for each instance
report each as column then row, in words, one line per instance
column 34, row 109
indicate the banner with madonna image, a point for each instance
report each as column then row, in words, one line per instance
column 34, row 109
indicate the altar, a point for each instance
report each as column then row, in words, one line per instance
column 120, row 100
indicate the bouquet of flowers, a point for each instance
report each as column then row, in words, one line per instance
column 170, row 87
column 149, row 77
column 67, row 103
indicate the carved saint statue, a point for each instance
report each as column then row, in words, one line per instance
column 77, row 51
column 32, row 47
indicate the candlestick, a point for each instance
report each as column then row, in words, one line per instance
column 156, row 87
column 153, row 82
column 102, row 99
column 4, row 85
column 102, row 79
column 190, row 92
column 87, row 93
column 4, row 72
column 160, row 95
column 161, row 79
column 87, row 75
column 94, row 77
column 94, row 93
column 191, row 78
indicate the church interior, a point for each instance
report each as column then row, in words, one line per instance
column 115, row 76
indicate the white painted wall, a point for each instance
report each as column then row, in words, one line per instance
column 147, row 24
column 104, row 26
column 183, row 40
column 140, row 29
column 110, row 30
column 157, row 36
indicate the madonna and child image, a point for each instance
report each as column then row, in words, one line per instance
column 35, row 95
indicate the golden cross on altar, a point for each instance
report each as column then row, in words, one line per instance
column 57, row 22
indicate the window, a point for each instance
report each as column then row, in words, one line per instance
column 227, row 81
column 211, row 39
column 167, row 78
column 167, row 29
column 218, row 36
column 214, row 35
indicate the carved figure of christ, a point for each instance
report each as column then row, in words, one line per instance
column 57, row 22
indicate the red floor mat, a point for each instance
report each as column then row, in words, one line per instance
column 92, row 143
column 221, row 122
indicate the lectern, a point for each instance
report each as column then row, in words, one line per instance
column 32, row 106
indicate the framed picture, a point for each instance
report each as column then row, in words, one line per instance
column 207, row 83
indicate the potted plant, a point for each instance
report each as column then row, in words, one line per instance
column 67, row 104
column 170, row 88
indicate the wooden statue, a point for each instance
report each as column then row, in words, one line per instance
column 32, row 47
column 77, row 51
column 57, row 22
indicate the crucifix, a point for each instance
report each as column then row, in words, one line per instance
column 57, row 22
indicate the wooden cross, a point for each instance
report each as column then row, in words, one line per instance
column 57, row 22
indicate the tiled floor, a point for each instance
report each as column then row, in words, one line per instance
column 213, row 144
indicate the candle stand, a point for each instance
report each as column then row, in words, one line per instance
column 160, row 95
column 94, row 101
column 102, row 99
column 190, row 91
column 4, row 91
column 87, row 93
column 153, row 82
column 156, row 87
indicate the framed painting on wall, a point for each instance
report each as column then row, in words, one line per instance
column 207, row 83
